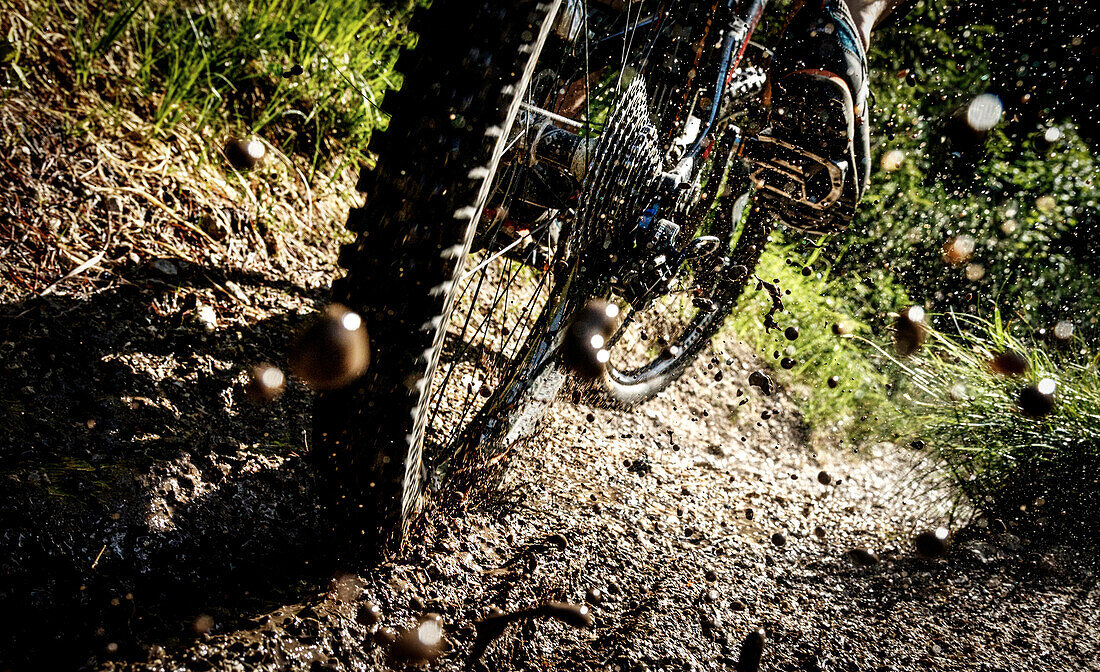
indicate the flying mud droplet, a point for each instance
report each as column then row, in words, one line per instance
column 266, row 383
column 862, row 557
column 833, row 382
column 909, row 331
column 931, row 543
column 1009, row 363
column 791, row 333
column 576, row 615
column 368, row 614
column 385, row 636
column 779, row 539
column 203, row 624
column 752, row 651
column 593, row 596
column 984, row 112
column 583, row 351
column 294, row 71
column 421, row 643
column 892, row 160
column 332, row 350
column 1063, row 330
column 760, row 380
column 824, row 478
column 958, row 250
column 842, row 328
column 788, row 362
column 819, row 532
column 244, row 153
column 1036, row 401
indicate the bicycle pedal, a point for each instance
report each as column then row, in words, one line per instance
column 794, row 174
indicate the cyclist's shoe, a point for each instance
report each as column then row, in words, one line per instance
column 818, row 140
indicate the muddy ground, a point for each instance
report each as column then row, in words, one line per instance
column 154, row 519
column 151, row 518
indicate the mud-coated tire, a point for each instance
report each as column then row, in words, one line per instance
column 412, row 238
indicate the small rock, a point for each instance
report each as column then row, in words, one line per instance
column 165, row 267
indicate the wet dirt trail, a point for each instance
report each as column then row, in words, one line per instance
column 153, row 520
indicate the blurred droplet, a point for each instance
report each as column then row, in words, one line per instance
column 909, row 331
column 958, row 250
column 583, row 351
column 1009, row 363
column 752, row 650
column 332, row 350
column 576, row 615
column 1036, row 401
column 931, row 544
column 974, row 272
column 1052, row 135
column 421, row 643
column 862, row 557
column 984, row 112
column 892, row 160
column 203, row 624
column 368, row 614
column 265, row 383
column 1046, row 204
column 1063, row 330
column 244, row 154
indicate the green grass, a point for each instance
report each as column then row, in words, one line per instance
column 306, row 75
column 1041, row 472
column 858, row 407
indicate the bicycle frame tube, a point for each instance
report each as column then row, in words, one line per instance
column 741, row 20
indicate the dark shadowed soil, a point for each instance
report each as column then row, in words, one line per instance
column 153, row 518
